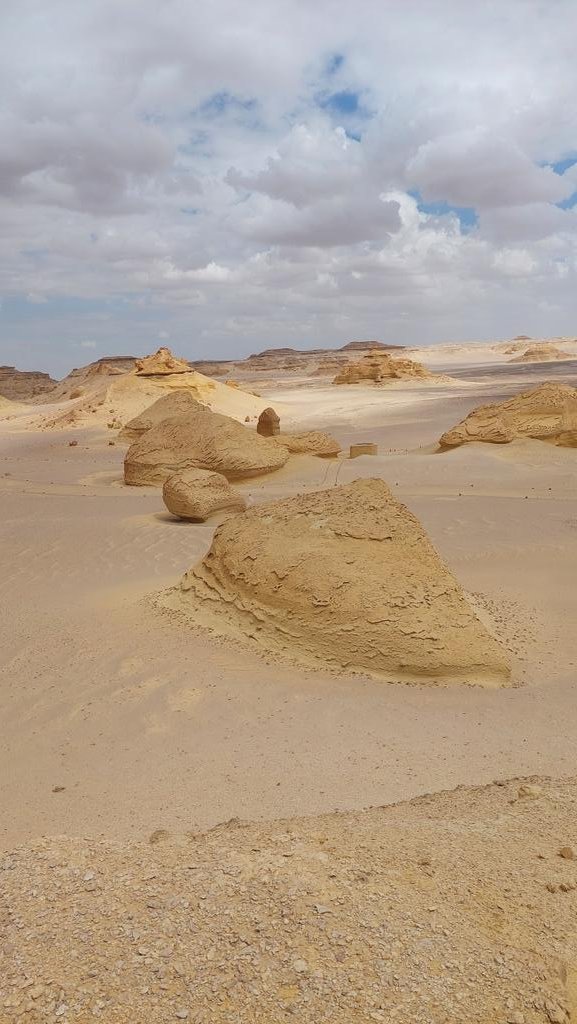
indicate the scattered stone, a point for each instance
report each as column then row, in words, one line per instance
column 567, row 853
column 72, row 444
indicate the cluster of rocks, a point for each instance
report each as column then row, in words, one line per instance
column 193, row 452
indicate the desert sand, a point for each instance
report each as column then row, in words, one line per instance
column 125, row 719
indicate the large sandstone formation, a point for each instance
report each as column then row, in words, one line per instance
column 379, row 367
column 196, row 494
column 346, row 577
column 200, row 439
column 547, row 413
column 176, row 403
column 542, row 354
column 312, row 442
column 20, row 385
column 162, row 362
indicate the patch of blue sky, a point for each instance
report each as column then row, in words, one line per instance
column 334, row 63
column 466, row 215
column 569, row 203
column 220, row 102
column 560, row 166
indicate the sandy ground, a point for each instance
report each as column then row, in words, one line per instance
column 119, row 719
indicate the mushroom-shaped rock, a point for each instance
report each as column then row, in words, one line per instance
column 313, row 442
column 547, row 413
column 196, row 494
column 345, row 577
column 200, row 439
column 161, row 363
column 268, row 423
column 176, row 403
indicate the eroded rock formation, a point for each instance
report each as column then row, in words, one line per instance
column 346, row 577
column 196, row 494
column 378, row 367
column 547, row 413
column 162, row 362
column 200, row 439
column 177, row 403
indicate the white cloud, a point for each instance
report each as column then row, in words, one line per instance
column 209, row 173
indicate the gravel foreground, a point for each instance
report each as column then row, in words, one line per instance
column 456, row 907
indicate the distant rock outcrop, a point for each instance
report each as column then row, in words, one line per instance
column 361, row 346
column 20, row 385
column 196, row 494
column 347, row 578
column 379, row 367
column 200, row 439
column 546, row 413
column 162, row 362
column 268, row 423
column 176, row 403
column 542, row 353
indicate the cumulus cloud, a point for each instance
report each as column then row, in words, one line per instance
column 293, row 174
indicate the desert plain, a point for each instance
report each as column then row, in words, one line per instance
column 132, row 728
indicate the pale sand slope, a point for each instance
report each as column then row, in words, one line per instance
column 150, row 723
column 453, row 909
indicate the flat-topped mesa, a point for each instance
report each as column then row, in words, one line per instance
column 177, row 403
column 19, row 385
column 379, row 367
column 546, row 413
column 200, row 439
column 344, row 578
column 161, row 363
column 268, row 423
column 361, row 346
column 542, row 353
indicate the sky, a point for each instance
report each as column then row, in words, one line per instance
column 223, row 177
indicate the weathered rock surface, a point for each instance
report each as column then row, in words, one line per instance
column 200, row 439
column 162, row 362
column 379, row 367
column 268, row 423
column 196, row 494
column 19, row 385
column 176, row 403
column 258, row 922
column 542, row 353
column 313, row 442
column 546, row 413
column 346, row 577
